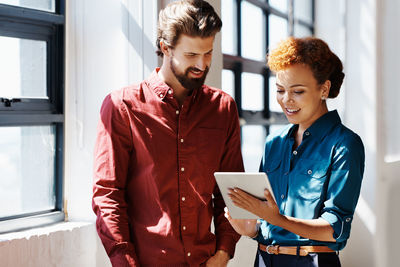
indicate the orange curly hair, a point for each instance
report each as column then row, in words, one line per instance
column 313, row 52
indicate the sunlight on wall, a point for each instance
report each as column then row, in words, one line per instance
column 367, row 215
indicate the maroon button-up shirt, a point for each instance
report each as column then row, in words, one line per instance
column 153, row 174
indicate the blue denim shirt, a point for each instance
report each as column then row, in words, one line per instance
column 321, row 178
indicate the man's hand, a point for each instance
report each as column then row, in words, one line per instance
column 220, row 259
column 247, row 227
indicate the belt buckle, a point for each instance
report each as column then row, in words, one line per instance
column 268, row 247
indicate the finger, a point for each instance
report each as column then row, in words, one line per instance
column 243, row 195
column 239, row 204
column 227, row 215
column 238, row 201
column 268, row 196
column 240, row 192
column 247, row 199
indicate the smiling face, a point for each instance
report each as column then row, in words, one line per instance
column 190, row 60
column 300, row 95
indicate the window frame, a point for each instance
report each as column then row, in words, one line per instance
column 238, row 64
column 27, row 23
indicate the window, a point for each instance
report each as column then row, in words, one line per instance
column 31, row 112
column 250, row 28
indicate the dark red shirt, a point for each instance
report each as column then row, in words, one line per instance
column 153, row 174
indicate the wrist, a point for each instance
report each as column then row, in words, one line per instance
column 256, row 229
column 280, row 221
column 223, row 255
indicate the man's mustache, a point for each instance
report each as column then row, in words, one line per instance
column 196, row 69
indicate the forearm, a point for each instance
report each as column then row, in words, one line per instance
column 316, row 229
column 113, row 226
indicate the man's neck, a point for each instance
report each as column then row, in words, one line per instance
column 180, row 92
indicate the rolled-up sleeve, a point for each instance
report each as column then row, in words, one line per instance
column 344, row 187
column 111, row 156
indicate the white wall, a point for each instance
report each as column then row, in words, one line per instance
column 349, row 27
column 372, row 38
column 388, row 96
column 110, row 44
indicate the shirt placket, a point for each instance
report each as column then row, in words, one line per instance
column 291, row 157
column 184, row 198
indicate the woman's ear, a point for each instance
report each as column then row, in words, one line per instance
column 325, row 87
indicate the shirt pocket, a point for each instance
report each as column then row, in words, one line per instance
column 272, row 169
column 271, row 166
column 309, row 183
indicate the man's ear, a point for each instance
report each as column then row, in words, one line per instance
column 165, row 49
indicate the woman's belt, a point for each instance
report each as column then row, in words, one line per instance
column 297, row 250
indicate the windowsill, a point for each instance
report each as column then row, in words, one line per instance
column 44, row 231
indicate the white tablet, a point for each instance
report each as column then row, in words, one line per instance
column 252, row 183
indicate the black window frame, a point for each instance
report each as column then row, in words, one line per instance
column 238, row 64
column 33, row 24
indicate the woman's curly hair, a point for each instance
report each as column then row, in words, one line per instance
column 313, row 52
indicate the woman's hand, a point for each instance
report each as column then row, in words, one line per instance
column 242, row 226
column 267, row 210
column 316, row 229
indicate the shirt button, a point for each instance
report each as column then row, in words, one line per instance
column 182, row 169
column 309, row 171
column 169, row 91
column 184, row 228
column 161, row 95
column 307, row 133
column 295, row 152
column 177, row 112
column 181, row 140
column 188, row 254
column 183, row 198
column 282, row 196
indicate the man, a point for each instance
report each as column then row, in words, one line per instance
column 157, row 148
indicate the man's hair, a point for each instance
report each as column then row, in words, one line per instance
column 195, row 18
column 314, row 53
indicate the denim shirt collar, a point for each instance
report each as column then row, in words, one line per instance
column 321, row 127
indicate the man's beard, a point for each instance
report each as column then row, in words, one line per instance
column 183, row 78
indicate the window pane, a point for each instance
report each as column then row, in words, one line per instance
column 46, row 5
column 253, row 139
column 22, row 68
column 252, row 91
column 281, row 5
column 301, row 31
column 278, row 30
column 253, row 32
column 303, row 10
column 273, row 104
column 27, row 159
column 229, row 30
column 228, row 82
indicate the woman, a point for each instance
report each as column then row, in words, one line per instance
column 315, row 164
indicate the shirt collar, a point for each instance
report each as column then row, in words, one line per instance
column 159, row 87
column 322, row 126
